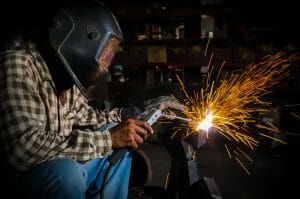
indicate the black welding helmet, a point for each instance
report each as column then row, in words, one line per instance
column 85, row 37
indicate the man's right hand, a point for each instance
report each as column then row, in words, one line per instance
column 130, row 133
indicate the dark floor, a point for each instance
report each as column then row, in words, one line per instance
column 273, row 173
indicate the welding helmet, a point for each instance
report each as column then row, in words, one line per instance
column 85, row 37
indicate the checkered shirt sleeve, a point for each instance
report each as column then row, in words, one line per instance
column 34, row 127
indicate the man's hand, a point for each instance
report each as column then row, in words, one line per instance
column 130, row 133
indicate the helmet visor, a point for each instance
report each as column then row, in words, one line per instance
column 108, row 53
column 93, row 80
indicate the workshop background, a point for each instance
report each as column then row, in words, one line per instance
column 165, row 38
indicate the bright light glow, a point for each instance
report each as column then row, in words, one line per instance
column 206, row 123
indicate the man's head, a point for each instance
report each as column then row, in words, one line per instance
column 85, row 36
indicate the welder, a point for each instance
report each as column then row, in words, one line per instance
column 53, row 143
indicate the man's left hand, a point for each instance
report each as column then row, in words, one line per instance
column 163, row 103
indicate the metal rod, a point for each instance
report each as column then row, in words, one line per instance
column 183, row 118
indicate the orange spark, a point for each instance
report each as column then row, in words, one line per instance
column 228, row 107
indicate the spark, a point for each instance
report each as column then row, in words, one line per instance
column 227, row 106
column 272, row 128
column 244, row 154
column 288, row 105
column 228, row 152
column 206, row 48
column 242, row 165
column 295, row 134
column 278, row 140
column 234, row 151
column 295, row 115
column 167, row 180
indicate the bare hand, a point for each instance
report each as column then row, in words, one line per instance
column 130, row 133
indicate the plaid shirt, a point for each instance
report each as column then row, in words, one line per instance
column 35, row 126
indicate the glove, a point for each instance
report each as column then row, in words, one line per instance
column 163, row 103
column 129, row 112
